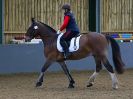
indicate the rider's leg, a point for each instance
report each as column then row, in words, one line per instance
column 65, row 47
column 64, row 39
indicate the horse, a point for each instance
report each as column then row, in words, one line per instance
column 90, row 44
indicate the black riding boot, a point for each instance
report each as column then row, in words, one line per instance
column 65, row 48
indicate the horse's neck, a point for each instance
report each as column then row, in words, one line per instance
column 49, row 39
column 47, row 34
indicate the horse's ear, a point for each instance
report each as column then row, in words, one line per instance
column 32, row 20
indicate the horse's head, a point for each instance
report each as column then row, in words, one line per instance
column 38, row 28
column 33, row 30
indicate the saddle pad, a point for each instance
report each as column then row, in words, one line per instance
column 72, row 46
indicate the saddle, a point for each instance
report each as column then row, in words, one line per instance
column 73, row 43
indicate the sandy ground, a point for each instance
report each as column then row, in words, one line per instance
column 22, row 86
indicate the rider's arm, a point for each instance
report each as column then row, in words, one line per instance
column 66, row 21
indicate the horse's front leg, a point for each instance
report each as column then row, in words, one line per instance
column 44, row 68
column 66, row 71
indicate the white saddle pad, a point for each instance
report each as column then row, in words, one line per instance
column 72, row 46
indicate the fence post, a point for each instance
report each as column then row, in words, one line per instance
column 92, row 15
column 98, row 17
column 1, row 20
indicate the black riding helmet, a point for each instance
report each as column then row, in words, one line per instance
column 66, row 6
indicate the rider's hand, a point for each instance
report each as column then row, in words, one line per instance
column 58, row 32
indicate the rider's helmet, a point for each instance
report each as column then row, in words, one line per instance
column 66, row 6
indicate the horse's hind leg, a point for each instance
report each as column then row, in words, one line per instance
column 98, row 68
column 44, row 68
column 66, row 71
column 111, row 72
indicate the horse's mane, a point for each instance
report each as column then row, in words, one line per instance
column 53, row 30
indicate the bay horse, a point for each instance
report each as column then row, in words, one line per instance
column 91, row 43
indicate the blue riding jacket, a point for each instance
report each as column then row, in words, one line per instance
column 72, row 25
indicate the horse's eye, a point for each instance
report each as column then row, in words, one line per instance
column 35, row 27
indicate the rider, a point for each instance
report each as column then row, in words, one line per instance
column 71, row 27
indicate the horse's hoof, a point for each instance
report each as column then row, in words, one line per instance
column 115, row 88
column 89, row 85
column 71, row 86
column 38, row 84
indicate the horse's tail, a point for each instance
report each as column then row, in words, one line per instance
column 119, row 64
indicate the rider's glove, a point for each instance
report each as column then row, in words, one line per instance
column 58, row 32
